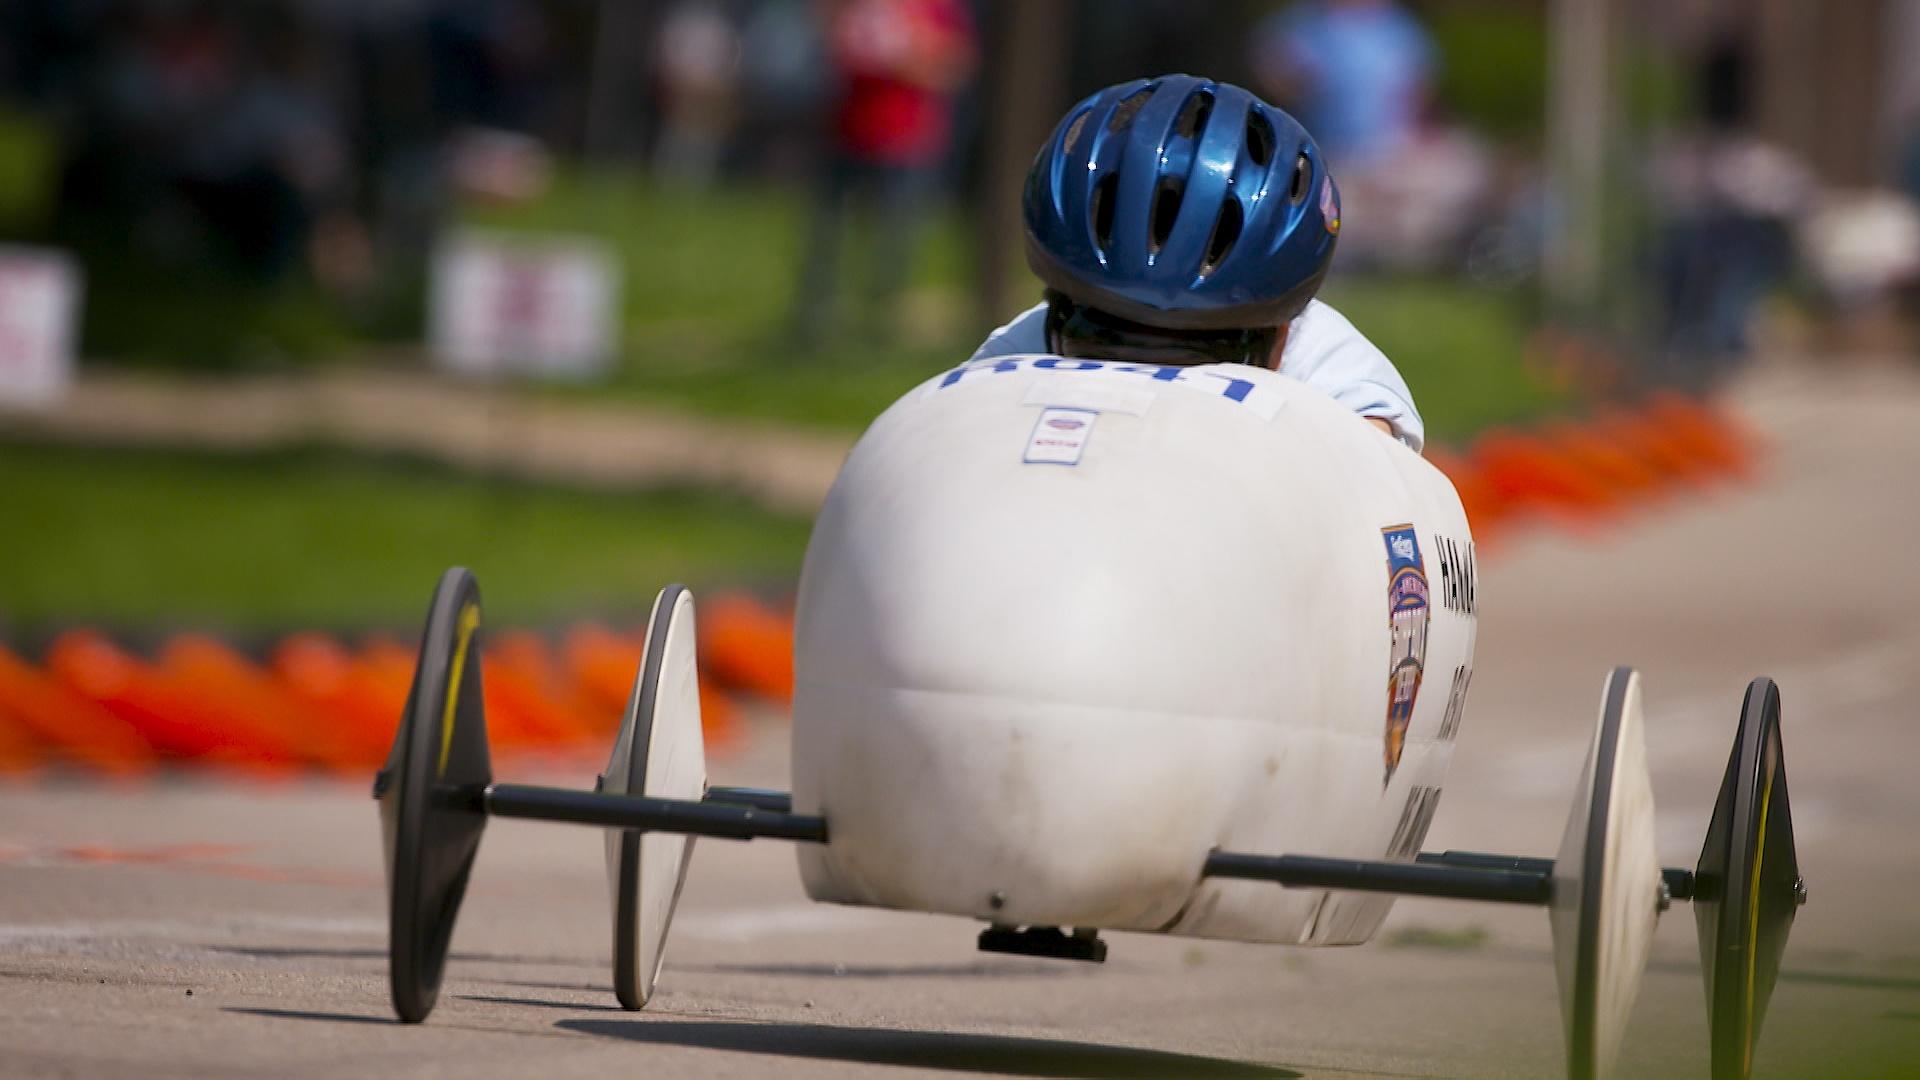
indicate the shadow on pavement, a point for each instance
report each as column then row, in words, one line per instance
column 323, row 952
column 266, row 952
column 583, row 987
column 1857, row 982
column 301, row 1014
column 951, row 1051
column 578, row 1006
column 977, row 969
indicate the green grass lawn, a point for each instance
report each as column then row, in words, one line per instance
column 319, row 539
column 709, row 279
column 1460, row 349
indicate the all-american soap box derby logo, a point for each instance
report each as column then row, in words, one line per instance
column 1407, row 611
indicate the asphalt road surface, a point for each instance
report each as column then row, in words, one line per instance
column 195, row 928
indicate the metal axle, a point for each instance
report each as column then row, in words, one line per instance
column 724, row 820
column 1407, row 879
column 1679, row 881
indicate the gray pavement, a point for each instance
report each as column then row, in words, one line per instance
column 196, row 928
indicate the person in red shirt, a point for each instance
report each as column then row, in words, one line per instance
column 900, row 65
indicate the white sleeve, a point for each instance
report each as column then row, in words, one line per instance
column 1323, row 350
column 1026, row 334
column 1327, row 353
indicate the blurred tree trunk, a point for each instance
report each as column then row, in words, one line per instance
column 1024, row 89
column 1821, row 92
column 1580, row 115
column 616, row 84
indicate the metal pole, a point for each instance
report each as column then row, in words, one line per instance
column 1580, row 57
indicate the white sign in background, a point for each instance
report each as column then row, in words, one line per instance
column 544, row 306
column 39, row 309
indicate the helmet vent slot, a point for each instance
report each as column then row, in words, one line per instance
column 1128, row 108
column 1193, row 115
column 1166, row 210
column 1226, row 230
column 1302, row 179
column 1260, row 140
column 1072, row 139
column 1102, row 210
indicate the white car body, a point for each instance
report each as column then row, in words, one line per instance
column 1067, row 626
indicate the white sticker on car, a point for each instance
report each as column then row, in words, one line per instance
column 1060, row 436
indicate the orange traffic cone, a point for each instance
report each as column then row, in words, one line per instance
column 602, row 666
column 215, row 671
column 528, row 669
column 70, row 728
column 20, row 751
column 319, row 671
column 744, row 645
column 176, row 722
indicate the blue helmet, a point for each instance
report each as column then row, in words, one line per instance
column 1184, row 204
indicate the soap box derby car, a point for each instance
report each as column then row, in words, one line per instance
column 1087, row 646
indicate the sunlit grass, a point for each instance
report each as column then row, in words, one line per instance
column 324, row 539
column 710, row 276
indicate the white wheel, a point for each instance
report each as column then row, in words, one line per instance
column 660, row 752
column 1606, row 885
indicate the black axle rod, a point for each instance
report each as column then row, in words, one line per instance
column 1679, row 881
column 759, row 798
column 736, row 813
column 1450, row 875
column 736, row 820
column 1404, row 878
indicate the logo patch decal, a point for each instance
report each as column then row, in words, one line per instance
column 1407, row 612
column 1330, row 206
column 1060, row 436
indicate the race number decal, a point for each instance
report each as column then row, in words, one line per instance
column 1407, row 610
column 1456, row 576
column 1262, row 398
column 1415, row 818
column 1456, row 702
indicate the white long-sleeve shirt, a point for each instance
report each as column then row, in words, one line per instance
column 1323, row 350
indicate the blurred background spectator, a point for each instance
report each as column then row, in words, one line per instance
column 261, row 182
column 899, row 66
column 785, row 81
column 202, row 139
column 1358, row 73
column 698, row 67
column 1727, row 204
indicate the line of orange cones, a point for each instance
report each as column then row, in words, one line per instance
column 314, row 703
column 1585, row 475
